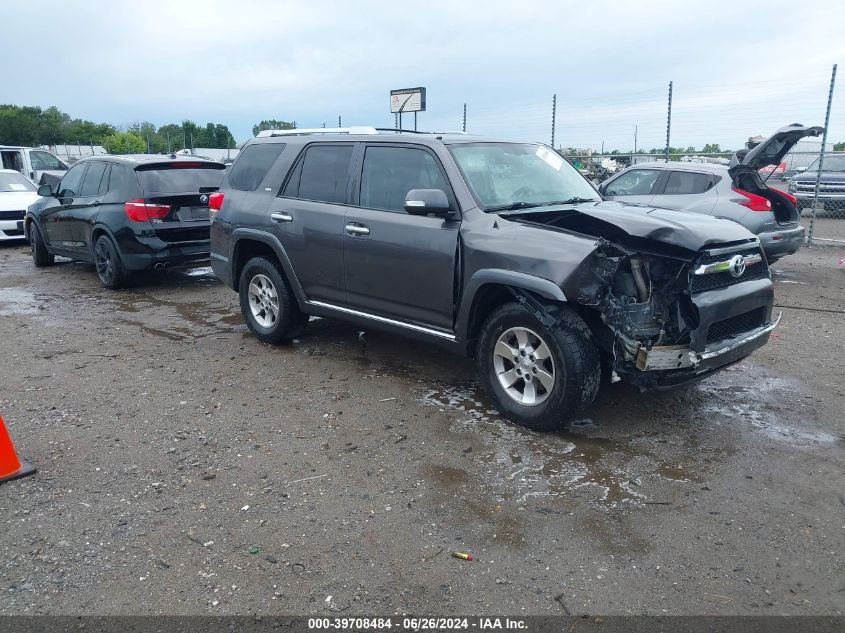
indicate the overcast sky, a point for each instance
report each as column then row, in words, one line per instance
column 739, row 68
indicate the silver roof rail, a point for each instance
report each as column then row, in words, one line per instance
column 361, row 129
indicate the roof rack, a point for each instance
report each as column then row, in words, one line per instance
column 360, row 129
column 363, row 129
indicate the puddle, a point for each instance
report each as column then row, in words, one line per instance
column 14, row 301
column 527, row 467
column 730, row 404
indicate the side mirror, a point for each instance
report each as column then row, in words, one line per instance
column 427, row 201
column 45, row 191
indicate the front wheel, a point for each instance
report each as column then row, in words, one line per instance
column 539, row 376
column 267, row 303
column 41, row 257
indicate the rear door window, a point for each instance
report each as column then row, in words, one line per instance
column 253, row 164
column 637, row 182
column 322, row 174
column 183, row 177
column 687, row 182
column 91, row 183
column 389, row 173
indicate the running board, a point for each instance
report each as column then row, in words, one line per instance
column 381, row 319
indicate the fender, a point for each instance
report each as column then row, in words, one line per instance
column 538, row 285
column 273, row 242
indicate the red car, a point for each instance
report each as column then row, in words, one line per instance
column 774, row 172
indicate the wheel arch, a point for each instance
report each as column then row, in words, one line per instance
column 248, row 243
column 489, row 288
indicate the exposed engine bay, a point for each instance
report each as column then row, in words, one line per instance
column 643, row 302
column 651, row 310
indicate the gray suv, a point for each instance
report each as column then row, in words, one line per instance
column 736, row 193
column 497, row 250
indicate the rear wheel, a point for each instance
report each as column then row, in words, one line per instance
column 40, row 255
column 110, row 267
column 538, row 376
column 267, row 303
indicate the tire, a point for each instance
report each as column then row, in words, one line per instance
column 571, row 366
column 267, row 303
column 41, row 257
column 109, row 265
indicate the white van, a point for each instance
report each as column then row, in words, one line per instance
column 33, row 163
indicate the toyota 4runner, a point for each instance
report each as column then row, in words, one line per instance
column 493, row 249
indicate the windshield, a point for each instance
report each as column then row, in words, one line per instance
column 15, row 182
column 518, row 175
column 831, row 163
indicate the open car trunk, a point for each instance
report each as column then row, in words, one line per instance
column 745, row 166
column 784, row 210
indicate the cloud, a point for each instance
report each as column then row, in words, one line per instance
column 608, row 62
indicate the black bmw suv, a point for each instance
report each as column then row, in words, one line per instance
column 494, row 249
column 126, row 213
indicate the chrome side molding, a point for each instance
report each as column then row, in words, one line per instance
column 381, row 319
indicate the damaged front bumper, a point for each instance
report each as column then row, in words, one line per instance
column 671, row 357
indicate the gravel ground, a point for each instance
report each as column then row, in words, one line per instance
column 185, row 468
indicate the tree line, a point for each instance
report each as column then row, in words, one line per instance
column 32, row 126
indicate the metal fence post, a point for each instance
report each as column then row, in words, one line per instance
column 464, row 128
column 668, row 121
column 821, row 156
column 554, row 112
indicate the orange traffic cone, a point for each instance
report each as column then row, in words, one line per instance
column 10, row 466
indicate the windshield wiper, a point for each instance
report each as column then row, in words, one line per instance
column 575, row 200
column 513, row 206
column 529, row 205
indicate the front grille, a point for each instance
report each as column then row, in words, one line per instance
column 824, row 187
column 12, row 215
column 700, row 283
column 736, row 325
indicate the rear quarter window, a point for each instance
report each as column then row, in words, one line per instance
column 168, row 179
column 252, row 165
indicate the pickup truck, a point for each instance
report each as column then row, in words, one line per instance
column 493, row 249
column 831, row 184
column 33, row 163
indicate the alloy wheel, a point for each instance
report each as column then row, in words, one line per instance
column 263, row 301
column 103, row 261
column 524, row 366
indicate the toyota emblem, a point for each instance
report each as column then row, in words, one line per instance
column 204, row 199
column 737, row 266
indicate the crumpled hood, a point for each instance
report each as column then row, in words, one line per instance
column 630, row 224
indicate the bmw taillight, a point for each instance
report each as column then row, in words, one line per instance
column 139, row 210
column 215, row 203
column 752, row 200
